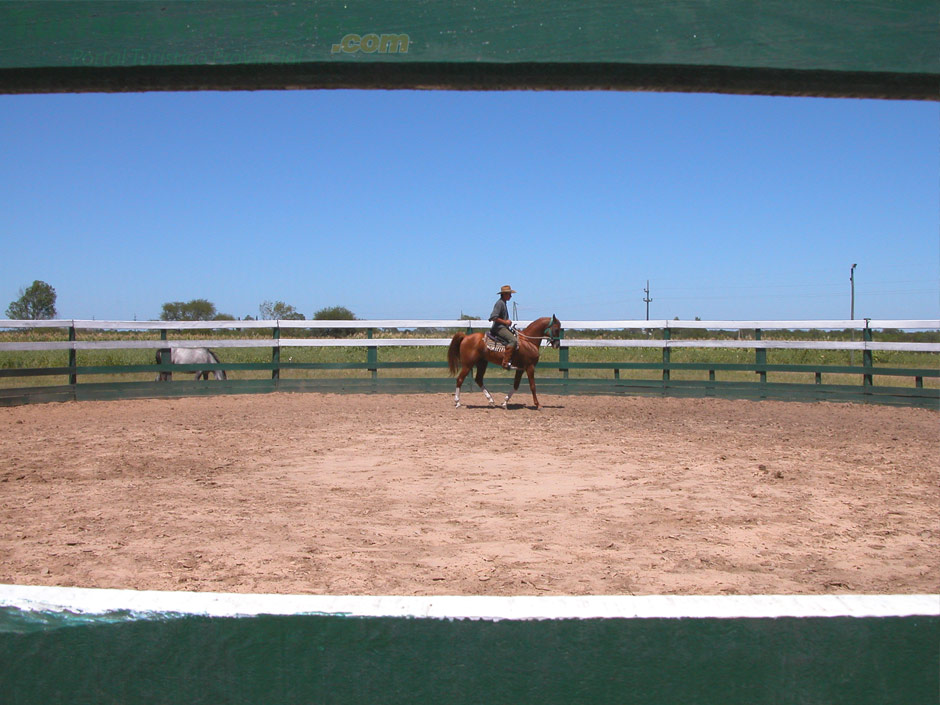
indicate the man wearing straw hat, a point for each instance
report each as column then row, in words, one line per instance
column 501, row 324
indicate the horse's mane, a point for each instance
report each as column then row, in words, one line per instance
column 539, row 324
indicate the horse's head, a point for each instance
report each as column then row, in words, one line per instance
column 553, row 332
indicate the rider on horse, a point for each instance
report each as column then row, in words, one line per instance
column 501, row 324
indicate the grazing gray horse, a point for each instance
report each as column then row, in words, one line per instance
column 188, row 356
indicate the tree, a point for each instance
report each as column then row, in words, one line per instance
column 195, row 310
column 335, row 313
column 279, row 311
column 36, row 303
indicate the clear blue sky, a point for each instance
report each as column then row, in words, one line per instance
column 410, row 204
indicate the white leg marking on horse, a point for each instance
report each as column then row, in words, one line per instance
column 488, row 396
column 457, row 398
column 508, row 397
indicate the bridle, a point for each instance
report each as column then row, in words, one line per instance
column 554, row 340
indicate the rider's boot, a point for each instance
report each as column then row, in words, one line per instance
column 507, row 356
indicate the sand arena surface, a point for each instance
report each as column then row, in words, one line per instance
column 403, row 494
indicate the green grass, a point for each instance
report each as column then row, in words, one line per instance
column 117, row 358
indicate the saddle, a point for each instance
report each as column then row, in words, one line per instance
column 498, row 347
column 493, row 343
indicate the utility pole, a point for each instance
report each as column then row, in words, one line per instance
column 852, row 310
column 515, row 311
column 852, row 280
column 647, row 299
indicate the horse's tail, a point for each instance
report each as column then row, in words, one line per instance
column 219, row 374
column 453, row 353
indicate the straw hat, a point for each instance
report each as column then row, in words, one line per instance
column 506, row 290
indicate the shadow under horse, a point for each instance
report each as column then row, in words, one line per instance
column 468, row 350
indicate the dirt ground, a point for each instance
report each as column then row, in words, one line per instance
column 405, row 495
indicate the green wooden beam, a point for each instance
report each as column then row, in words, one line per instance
column 905, row 396
column 918, row 373
column 789, row 47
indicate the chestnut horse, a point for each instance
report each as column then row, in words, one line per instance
column 469, row 350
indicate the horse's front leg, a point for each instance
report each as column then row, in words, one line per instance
column 515, row 388
column 481, row 370
column 530, row 371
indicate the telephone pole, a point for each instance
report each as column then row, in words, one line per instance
column 647, row 299
column 852, row 311
column 852, row 280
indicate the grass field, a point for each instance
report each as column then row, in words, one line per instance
column 431, row 361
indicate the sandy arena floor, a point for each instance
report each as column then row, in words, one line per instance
column 405, row 495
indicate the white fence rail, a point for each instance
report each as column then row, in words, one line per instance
column 417, row 324
column 857, row 324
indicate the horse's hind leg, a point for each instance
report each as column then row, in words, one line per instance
column 481, row 370
column 163, row 376
column 464, row 371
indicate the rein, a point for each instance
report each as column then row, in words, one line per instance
column 546, row 334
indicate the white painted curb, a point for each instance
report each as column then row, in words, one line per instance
column 213, row 604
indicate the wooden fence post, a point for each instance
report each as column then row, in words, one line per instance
column 169, row 358
column 276, row 353
column 73, row 377
column 760, row 358
column 667, row 335
column 867, row 357
column 372, row 356
column 563, row 356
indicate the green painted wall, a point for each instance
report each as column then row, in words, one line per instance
column 63, row 658
column 829, row 47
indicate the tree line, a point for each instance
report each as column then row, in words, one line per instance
column 205, row 310
column 37, row 303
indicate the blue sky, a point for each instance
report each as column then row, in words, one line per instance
column 421, row 204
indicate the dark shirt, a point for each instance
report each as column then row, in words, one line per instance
column 499, row 311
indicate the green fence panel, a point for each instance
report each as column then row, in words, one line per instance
column 817, row 47
column 922, row 397
column 59, row 656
